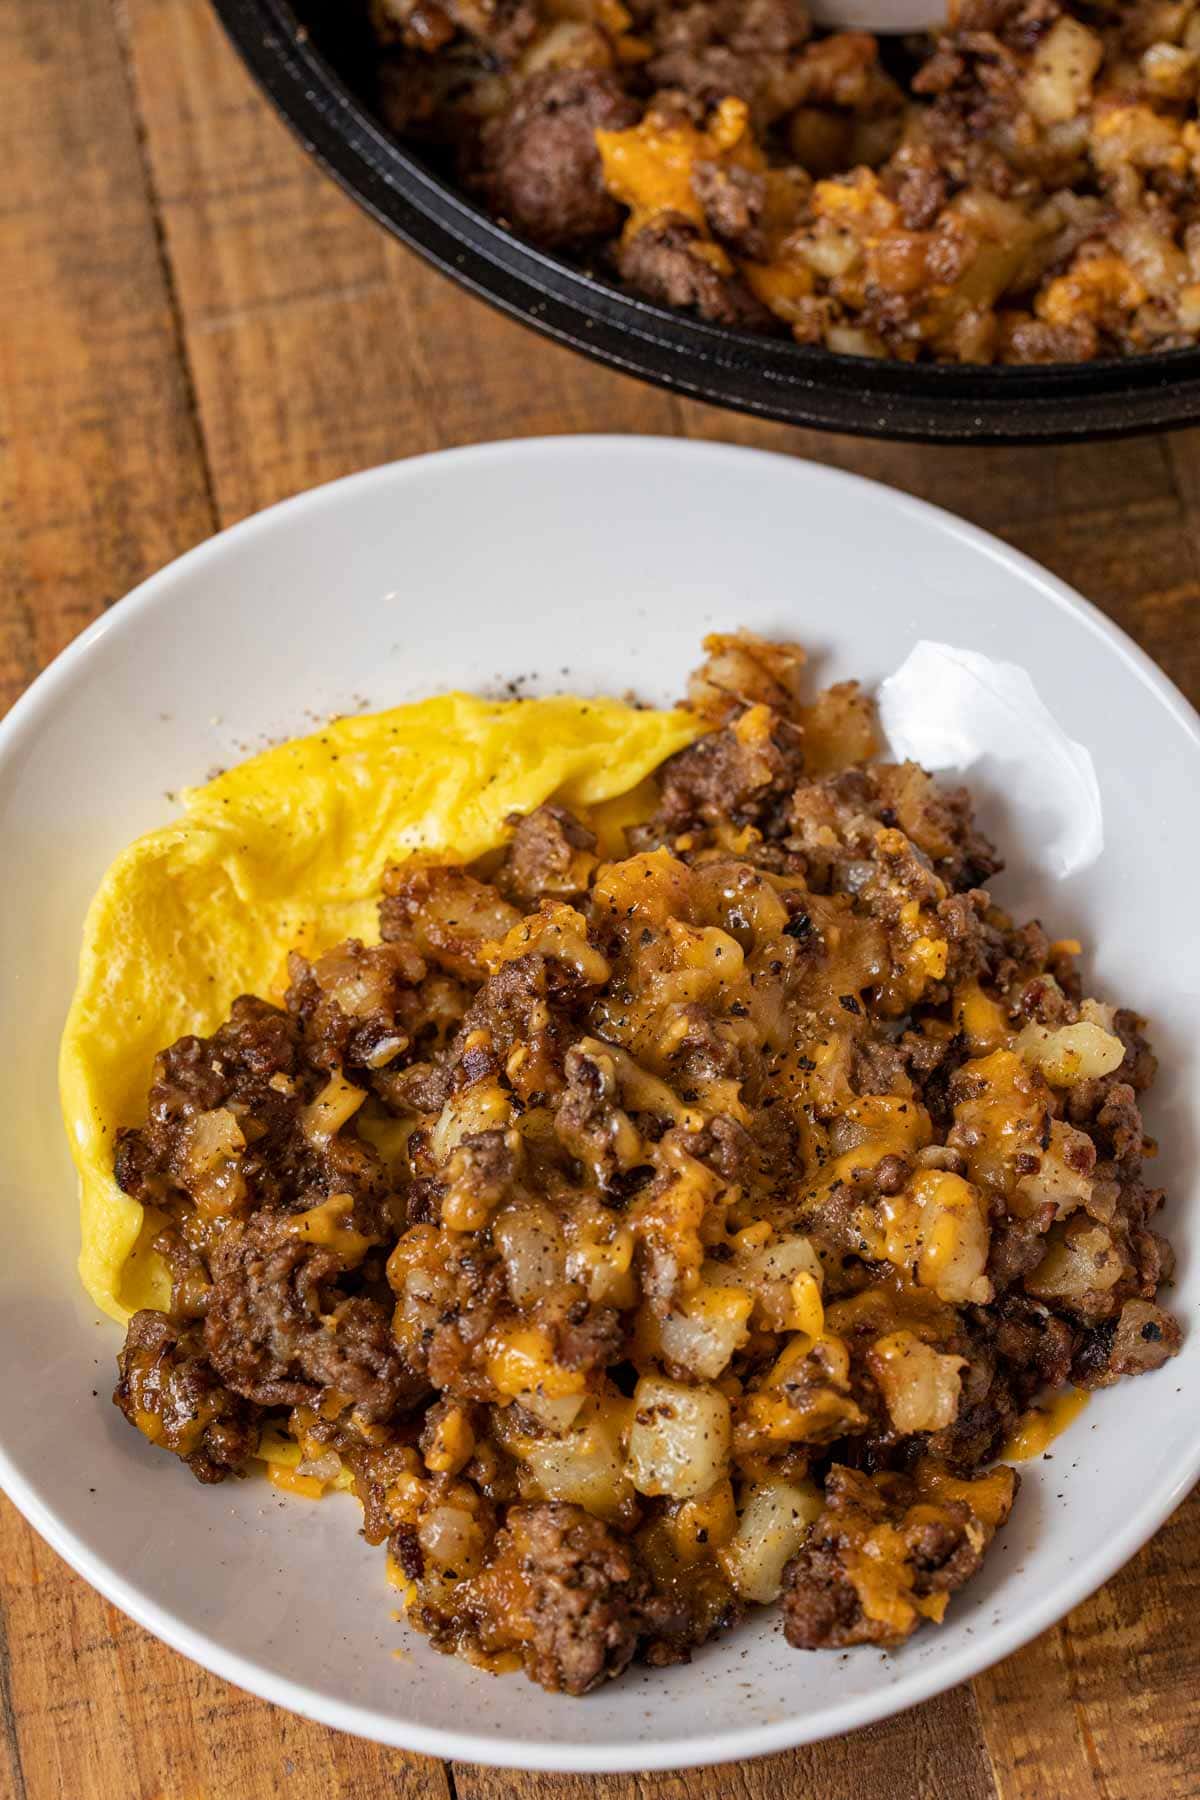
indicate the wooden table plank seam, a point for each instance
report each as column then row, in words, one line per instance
column 122, row 32
column 8, row 1716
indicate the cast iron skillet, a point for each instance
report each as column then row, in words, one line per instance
column 312, row 62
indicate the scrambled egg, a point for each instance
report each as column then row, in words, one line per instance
column 287, row 851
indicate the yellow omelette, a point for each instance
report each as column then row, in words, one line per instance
column 287, row 851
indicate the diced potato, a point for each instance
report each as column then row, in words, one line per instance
column 484, row 1106
column 1002, row 234
column 701, row 1526
column 1081, row 1257
column 774, row 1520
column 741, row 900
column 706, row 1328
column 213, row 1145
column 741, row 667
column 707, row 960
column 937, row 1229
column 805, row 1398
column 1063, row 1175
column 839, row 729
column 530, row 1243
column 668, row 1222
column 1002, row 1116
column 1152, row 254
column 567, row 44
column 1169, row 71
column 1071, row 1053
column 586, row 1467
column 521, row 1366
column 849, row 340
column 213, row 1138
column 920, row 1386
column 1133, row 135
column 680, row 1437
column 452, row 1539
column 600, row 1257
column 1064, row 65
column 650, row 888
column 771, row 1274
column 557, row 932
column 451, row 916
column 558, row 1412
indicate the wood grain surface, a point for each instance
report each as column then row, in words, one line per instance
column 194, row 323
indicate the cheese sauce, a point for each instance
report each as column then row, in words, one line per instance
column 1037, row 1429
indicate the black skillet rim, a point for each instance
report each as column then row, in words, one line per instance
column 771, row 378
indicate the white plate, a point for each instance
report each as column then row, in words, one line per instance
column 595, row 563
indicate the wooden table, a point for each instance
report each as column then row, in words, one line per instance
column 195, row 323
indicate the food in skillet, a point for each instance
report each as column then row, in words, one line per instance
column 1024, row 188
column 675, row 1204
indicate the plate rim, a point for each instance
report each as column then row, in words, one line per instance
column 927, row 1679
